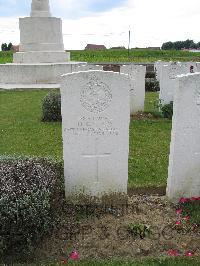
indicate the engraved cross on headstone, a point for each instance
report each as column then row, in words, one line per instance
column 96, row 155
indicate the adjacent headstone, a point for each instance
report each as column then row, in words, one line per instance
column 167, row 78
column 136, row 74
column 184, row 160
column 158, row 68
column 95, row 121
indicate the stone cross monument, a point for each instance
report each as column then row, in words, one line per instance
column 40, row 8
column 41, row 39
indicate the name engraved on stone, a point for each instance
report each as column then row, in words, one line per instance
column 173, row 72
column 94, row 126
column 95, row 96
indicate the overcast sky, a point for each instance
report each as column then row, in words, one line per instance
column 107, row 22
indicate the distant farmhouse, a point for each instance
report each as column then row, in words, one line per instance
column 118, row 48
column 153, row 48
column 15, row 48
column 95, row 47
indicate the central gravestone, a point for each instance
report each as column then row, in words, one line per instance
column 95, row 115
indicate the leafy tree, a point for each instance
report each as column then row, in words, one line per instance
column 10, row 46
column 178, row 45
column 5, row 47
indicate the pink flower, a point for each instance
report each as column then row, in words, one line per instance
column 189, row 254
column 173, row 252
column 178, row 222
column 74, row 255
column 179, row 211
column 184, row 200
column 195, row 198
column 186, row 218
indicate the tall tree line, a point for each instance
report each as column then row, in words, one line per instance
column 188, row 44
column 6, row 47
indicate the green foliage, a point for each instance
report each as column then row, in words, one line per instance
column 51, row 107
column 151, row 74
column 161, row 261
column 192, row 208
column 188, row 44
column 6, row 47
column 162, row 110
column 139, row 230
column 6, row 57
column 151, row 84
column 135, row 55
column 167, row 110
column 30, row 196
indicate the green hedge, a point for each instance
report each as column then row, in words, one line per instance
column 151, row 84
column 30, row 196
column 51, row 107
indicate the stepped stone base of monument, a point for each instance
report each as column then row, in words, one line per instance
column 14, row 75
column 42, row 57
column 28, row 86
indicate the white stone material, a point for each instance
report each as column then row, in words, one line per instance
column 158, row 68
column 168, row 74
column 40, row 8
column 137, row 90
column 86, row 67
column 41, row 39
column 28, row 86
column 95, row 126
column 34, row 73
column 184, row 160
column 45, row 57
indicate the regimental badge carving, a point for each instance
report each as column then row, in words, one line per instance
column 96, row 96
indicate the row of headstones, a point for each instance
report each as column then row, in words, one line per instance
column 136, row 74
column 95, row 112
column 166, row 73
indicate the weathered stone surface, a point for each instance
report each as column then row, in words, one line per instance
column 158, row 68
column 95, row 113
column 85, row 67
column 33, row 73
column 136, row 74
column 167, row 77
column 40, row 8
column 184, row 160
column 41, row 39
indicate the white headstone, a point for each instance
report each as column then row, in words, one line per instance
column 95, row 113
column 168, row 74
column 137, row 90
column 184, row 160
column 158, row 68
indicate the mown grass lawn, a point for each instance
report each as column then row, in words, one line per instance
column 183, row 261
column 23, row 133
